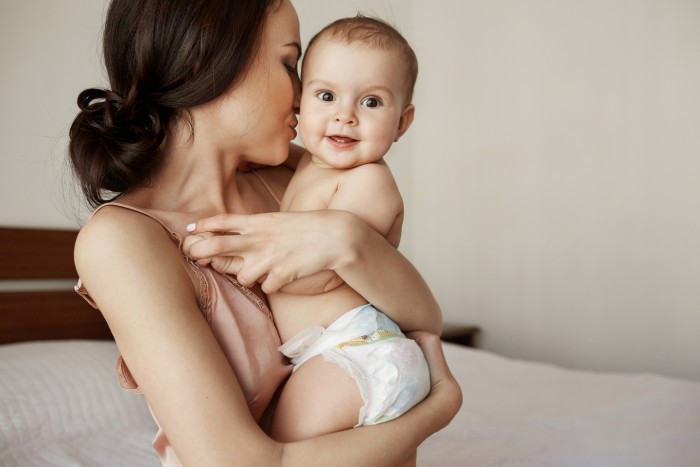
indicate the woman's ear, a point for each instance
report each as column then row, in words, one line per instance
column 405, row 120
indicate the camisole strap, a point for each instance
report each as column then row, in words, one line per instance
column 175, row 236
column 80, row 290
column 267, row 187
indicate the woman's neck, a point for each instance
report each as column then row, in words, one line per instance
column 194, row 177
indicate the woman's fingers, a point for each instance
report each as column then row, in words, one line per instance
column 442, row 380
column 208, row 245
column 275, row 280
column 432, row 349
column 223, row 252
column 253, row 271
column 227, row 264
column 225, row 223
column 273, row 248
column 189, row 241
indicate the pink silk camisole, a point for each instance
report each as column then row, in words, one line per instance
column 240, row 321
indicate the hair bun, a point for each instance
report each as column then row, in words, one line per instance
column 87, row 98
column 122, row 137
column 130, row 120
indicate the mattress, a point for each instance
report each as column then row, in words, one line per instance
column 60, row 405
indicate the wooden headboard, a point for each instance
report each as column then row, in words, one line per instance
column 31, row 255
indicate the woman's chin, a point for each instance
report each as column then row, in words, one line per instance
column 283, row 156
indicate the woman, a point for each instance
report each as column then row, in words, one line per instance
column 199, row 90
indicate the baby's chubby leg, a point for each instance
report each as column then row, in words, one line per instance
column 319, row 398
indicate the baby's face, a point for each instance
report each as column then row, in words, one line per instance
column 353, row 103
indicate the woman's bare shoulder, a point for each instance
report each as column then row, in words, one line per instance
column 114, row 229
column 118, row 245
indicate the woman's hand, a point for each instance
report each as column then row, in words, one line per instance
column 443, row 385
column 278, row 248
column 273, row 248
column 388, row 444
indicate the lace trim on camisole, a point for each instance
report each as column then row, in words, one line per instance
column 250, row 295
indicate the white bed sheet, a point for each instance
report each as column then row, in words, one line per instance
column 60, row 406
column 527, row 414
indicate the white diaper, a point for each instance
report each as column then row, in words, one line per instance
column 389, row 368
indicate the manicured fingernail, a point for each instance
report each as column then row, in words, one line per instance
column 191, row 227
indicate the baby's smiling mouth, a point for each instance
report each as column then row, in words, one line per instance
column 341, row 139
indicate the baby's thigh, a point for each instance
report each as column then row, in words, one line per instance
column 319, row 397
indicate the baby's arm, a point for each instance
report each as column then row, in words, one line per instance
column 369, row 192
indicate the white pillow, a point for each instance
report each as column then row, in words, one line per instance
column 61, row 405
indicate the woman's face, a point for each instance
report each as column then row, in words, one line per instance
column 261, row 110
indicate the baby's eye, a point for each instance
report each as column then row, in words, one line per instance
column 325, row 96
column 371, row 102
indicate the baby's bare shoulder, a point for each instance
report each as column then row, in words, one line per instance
column 369, row 175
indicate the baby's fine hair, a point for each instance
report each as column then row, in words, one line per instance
column 372, row 32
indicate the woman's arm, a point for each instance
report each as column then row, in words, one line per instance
column 277, row 248
column 141, row 284
column 388, row 444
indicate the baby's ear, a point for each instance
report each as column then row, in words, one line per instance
column 405, row 120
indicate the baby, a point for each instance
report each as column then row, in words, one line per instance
column 352, row 364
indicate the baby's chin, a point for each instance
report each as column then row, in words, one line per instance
column 340, row 165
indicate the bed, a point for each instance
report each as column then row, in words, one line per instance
column 60, row 404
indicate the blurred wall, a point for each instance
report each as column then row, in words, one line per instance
column 550, row 177
column 552, row 174
column 49, row 52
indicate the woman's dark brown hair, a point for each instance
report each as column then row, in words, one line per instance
column 162, row 58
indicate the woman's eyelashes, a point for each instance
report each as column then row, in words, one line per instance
column 291, row 63
column 292, row 67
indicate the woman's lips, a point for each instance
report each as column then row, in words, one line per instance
column 340, row 141
column 293, row 127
